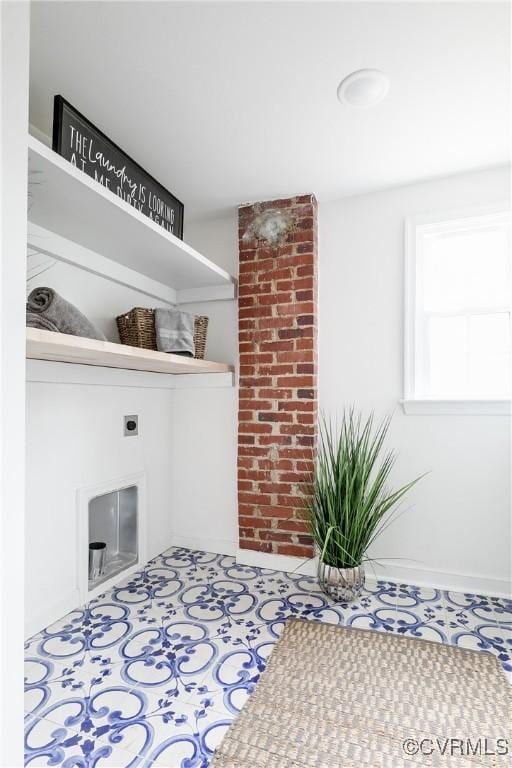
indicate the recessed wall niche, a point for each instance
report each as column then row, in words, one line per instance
column 114, row 521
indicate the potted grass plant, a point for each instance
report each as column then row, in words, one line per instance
column 351, row 502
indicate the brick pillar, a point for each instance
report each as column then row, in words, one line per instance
column 278, row 372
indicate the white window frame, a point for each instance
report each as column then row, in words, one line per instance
column 415, row 227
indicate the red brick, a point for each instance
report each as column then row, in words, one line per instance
column 257, row 405
column 244, row 462
column 280, row 464
column 307, row 440
column 246, row 256
column 276, row 274
column 259, row 546
column 295, row 550
column 289, row 333
column 246, row 415
column 292, row 309
column 276, row 394
column 290, row 357
column 307, row 271
column 306, row 368
column 288, row 501
column 273, row 535
column 275, row 488
column 296, row 381
column 255, row 429
column 301, row 526
column 296, row 452
column 255, row 381
column 251, row 336
column 276, row 346
column 245, row 267
column 255, row 359
column 274, row 439
column 275, row 322
column 294, row 285
column 305, row 466
column 305, row 344
column 253, row 474
column 276, row 370
column 253, row 498
column 277, row 513
column 248, row 439
column 257, row 522
column 250, row 450
column 305, row 320
column 246, row 509
column 305, row 236
column 254, row 289
column 304, row 295
column 298, row 260
column 258, row 311
column 297, row 429
column 296, row 405
column 275, row 416
column 275, row 298
column 246, row 324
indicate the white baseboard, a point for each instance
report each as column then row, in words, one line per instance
column 427, row 577
column 421, row 577
column 218, row 546
column 48, row 613
column 276, row 562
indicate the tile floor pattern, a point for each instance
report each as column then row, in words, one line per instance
column 152, row 672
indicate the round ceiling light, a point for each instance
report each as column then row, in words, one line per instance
column 363, row 88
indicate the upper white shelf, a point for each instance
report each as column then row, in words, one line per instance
column 66, row 201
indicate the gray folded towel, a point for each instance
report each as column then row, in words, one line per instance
column 47, row 310
column 175, row 332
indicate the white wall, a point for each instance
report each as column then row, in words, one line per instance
column 205, row 455
column 186, row 443
column 100, row 299
column 14, row 48
column 75, row 441
column 456, row 527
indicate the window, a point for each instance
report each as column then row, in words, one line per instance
column 458, row 313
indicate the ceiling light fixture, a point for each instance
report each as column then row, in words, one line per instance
column 363, row 88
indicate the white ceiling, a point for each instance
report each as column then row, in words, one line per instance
column 231, row 102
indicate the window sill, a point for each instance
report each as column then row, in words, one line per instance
column 461, row 407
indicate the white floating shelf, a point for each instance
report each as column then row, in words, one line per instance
column 60, row 347
column 64, row 200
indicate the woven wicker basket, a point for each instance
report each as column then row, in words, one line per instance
column 137, row 329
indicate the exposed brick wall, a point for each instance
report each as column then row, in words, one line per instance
column 278, row 372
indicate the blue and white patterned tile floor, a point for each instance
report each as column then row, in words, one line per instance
column 151, row 673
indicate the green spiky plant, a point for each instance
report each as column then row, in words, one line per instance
column 351, row 502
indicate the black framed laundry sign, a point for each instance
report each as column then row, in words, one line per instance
column 86, row 147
